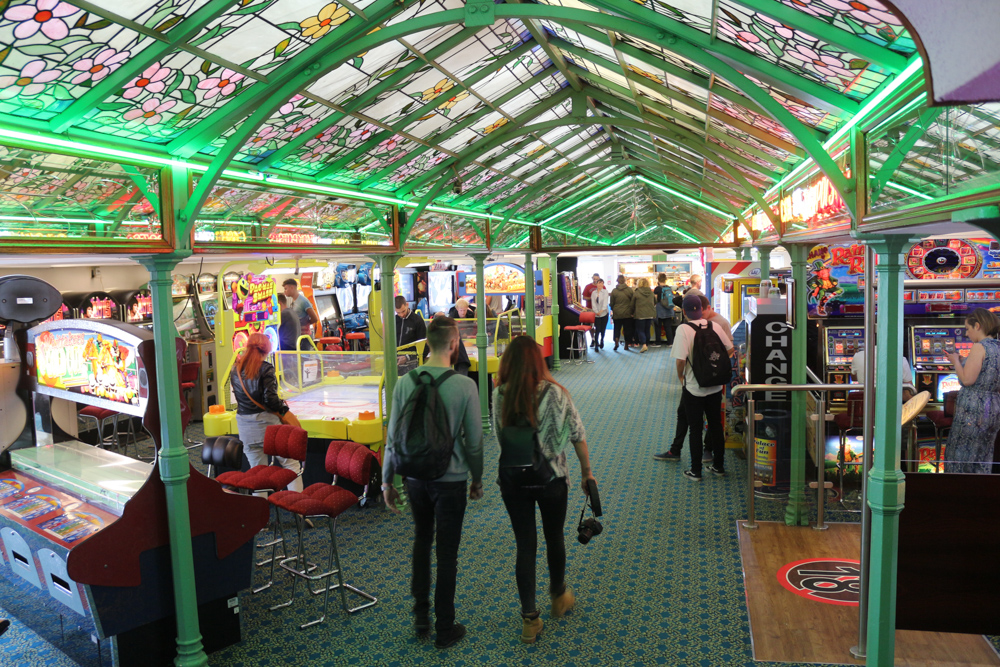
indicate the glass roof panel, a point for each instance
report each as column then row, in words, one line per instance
column 870, row 19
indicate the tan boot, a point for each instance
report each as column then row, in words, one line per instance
column 530, row 629
column 563, row 604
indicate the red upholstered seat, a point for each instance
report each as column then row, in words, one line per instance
column 940, row 418
column 357, row 335
column 588, row 317
column 344, row 460
column 576, row 327
column 97, row 413
column 288, row 442
column 845, row 420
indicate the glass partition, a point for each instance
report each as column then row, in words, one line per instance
column 927, row 153
column 76, row 201
column 437, row 230
column 271, row 217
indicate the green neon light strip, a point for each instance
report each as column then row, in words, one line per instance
column 52, row 143
column 28, row 218
column 691, row 200
column 585, row 200
column 920, row 99
column 909, row 191
column 868, row 107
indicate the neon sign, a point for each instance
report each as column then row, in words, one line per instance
column 811, row 203
column 852, row 256
column 88, row 363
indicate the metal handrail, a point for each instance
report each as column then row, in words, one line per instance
column 753, row 418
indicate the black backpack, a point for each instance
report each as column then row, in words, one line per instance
column 522, row 462
column 423, row 438
column 709, row 358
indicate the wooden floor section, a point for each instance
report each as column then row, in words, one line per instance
column 790, row 628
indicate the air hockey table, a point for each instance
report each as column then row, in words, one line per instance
column 492, row 360
column 347, row 410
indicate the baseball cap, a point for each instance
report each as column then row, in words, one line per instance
column 692, row 306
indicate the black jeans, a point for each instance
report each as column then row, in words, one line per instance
column 520, row 504
column 600, row 326
column 443, row 503
column 625, row 330
column 668, row 330
column 710, row 408
column 642, row 330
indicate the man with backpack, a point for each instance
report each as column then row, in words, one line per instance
column 701, row 351
column 664, row 311
column 435, row 441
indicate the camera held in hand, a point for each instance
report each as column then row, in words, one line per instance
column 590, row 526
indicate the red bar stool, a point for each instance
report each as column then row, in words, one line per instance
column 330, row 343
column 101, row 417
column 288, row 442
column 189, row 380
column 356, row 341
column 578, row 338
column 942, row 420
column 347, row 462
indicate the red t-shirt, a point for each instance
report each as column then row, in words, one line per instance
column 587, row 291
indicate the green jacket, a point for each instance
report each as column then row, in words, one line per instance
column 622, row 302
column 644, row 303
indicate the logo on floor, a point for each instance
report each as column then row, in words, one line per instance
column 829, row 580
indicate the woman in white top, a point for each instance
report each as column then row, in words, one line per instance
column 600, row 298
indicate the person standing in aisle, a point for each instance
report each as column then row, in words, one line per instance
column 410, row 326
column 709, row 314
column 440, row 502
column 526, row 394
column 600, row 298
column 644, row 307
column 699, row 402
column 588, row 293
column 664, row 297
column 695, row 288
column 622, row 309
column 977, row 409
column 300, row 305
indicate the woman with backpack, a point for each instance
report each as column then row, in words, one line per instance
column 528, row 401
column 258, row 406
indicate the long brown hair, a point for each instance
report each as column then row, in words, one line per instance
column 988, row 322
column 253, row 355
column 522, row 369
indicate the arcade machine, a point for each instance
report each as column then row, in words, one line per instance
column 441, row 289
column 208, row 298
column 136, row 307
column 506, row 281
column 84, row 530
column 330, row 315
column 92, row 305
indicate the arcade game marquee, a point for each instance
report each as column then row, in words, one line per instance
column 84, row 530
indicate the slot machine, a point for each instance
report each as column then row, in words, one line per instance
column 92, row 305
column 841, row 344
column 136, row 307
column 208, row 298
column 932, row 370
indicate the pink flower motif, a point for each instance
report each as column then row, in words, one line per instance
column 869, row 11
column 437, row 159
column 99, row 66
column 825, row 64
column 288, row 106
column 786, row 31
column 21, row 175
column 743, row 38
column 362, row 133
column 365, row 167
column 264, row 135
column 316, row 154
column 44, row 15
column 224, row 84
column 319, row 141
column 148, row 114
column 295, row 129
column 809, row 7
column 32, row 81
column 402, row 174
column 389, row 144
column 151, row 80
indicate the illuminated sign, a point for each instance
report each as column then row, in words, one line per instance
column 292, row 237
column 222, row 236
column 144, row 236
column 850, row 256
column 255, row 298
column 99, row 309
column 499, row 279
column 812, row 203
column 88, row 363
column 140, row 309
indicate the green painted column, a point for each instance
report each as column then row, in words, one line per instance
column 529, row 293
column 554, row 275
column 482, row 340
column 797, row 511
column 174, row 464
column 387, row 267
column 886, row 485
column 765, row 262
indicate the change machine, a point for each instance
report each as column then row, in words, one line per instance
column 84, row 530
column 769, row 361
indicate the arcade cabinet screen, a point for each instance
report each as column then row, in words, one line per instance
column 327, row 309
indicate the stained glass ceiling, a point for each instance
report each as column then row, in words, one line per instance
column 516, row 109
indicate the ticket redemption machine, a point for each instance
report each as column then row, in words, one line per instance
column 206, row 287
column 84, row 530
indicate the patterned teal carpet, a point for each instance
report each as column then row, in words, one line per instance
column 661, row 586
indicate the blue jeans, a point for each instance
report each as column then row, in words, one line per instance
column 642, row 331
column 442, row 503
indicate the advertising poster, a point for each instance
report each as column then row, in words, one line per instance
column 835, row 280
column 766, row 461
column 88, row 363
column 499, row 279
column 255, row 307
